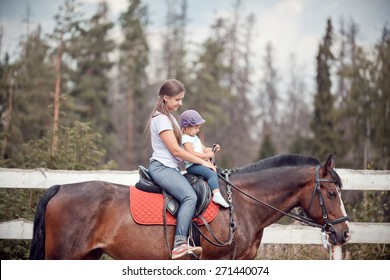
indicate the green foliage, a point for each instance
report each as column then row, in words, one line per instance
column 15, row 204
column 90, row 50
column 218, row 81
column 220, row 90
column 369, row 207
column 136, row 98
column 79, row 148
column 373, row 207
column 267, row 148
column 323, row 122
column 381, row 103
column 18, row 203
column 25, row 98
column 14, row 249
column 301, row 145
column 207, row 91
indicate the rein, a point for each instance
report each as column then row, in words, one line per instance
column 326, row 227
column 232, row 224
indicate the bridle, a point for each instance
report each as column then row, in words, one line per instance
column 327, row 227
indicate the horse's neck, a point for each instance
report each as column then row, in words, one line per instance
column 279, row 187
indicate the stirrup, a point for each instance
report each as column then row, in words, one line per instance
column 192, row 254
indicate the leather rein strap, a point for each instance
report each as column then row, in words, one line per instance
column 232, row 224
column 317, row 189
column 326, row 227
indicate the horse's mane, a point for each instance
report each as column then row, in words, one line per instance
column 277, row 161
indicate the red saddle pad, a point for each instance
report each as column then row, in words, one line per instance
column 147, row 208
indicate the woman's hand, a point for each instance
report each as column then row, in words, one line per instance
column 210, row 165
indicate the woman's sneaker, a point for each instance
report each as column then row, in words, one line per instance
column 185, row 249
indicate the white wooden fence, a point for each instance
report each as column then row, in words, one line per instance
column 291, row 234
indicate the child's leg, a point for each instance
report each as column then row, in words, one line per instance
column 212, row 181
column 210, row 176
column 218, row 198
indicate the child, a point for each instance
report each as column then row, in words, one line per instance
column 190, row 122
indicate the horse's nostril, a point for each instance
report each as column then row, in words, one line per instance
column 347, row 236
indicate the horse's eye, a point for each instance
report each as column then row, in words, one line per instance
column 331, row 194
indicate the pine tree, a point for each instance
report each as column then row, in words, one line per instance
column 90, row 51
column 268, row 98
column 323, row 122
column 294, row 129
column 206, row 89
column 346, row 63
column 68, row 22
column 237, row 34
column 133, row 86
column 267, row 148
column 381, row 99
column 207, row 92
column 27, row 86
column 360, row 109
column 6, row 109
column 174, row 45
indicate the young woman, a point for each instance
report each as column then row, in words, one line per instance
column 190, row 122
column 164, row 167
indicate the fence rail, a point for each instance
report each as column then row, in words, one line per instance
column 362, row 180
column 41, row 178
column 283, row 234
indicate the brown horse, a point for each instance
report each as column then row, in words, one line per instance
column 85, row 220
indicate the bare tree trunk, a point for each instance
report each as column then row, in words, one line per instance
column 8, row 117
column 56, row 112
column 367, row 144
column 130, row 127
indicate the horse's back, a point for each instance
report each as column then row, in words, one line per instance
column 85, row 220
column 78, row 201
column 80, row 215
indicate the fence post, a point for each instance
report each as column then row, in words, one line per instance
column 336, row 252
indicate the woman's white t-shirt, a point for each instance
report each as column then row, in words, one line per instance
column 161, row 153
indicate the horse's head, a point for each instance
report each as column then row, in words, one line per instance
column 325, row 205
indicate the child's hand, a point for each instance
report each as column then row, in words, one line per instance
column 216, row 148
column 210, row 154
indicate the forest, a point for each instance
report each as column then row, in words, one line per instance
column 77, row 99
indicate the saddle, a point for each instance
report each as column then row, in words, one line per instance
column 199, row 185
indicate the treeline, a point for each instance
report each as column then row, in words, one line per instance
column 78, row 99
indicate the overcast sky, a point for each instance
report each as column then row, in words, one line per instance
column 292, row 26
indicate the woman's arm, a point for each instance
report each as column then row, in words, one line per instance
column 169, row 139
column 206, row 155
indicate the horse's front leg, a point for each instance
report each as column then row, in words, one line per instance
column 250, row 250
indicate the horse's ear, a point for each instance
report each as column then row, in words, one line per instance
column 330, row 164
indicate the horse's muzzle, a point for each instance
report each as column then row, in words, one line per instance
column 338, row 237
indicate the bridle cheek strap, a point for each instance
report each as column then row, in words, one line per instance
column 328, row 225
